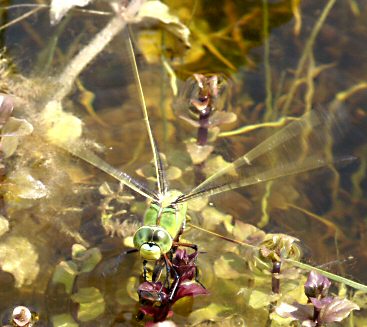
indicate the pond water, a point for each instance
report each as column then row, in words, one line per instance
column 65, row 223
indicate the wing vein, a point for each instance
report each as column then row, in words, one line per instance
column 89, row 156
column 160, row 172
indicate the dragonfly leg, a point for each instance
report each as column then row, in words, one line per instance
column 176, row 278
column 157, row 271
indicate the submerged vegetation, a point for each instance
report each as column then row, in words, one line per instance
column 218, row 78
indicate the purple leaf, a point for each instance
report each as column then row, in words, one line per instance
column 300, row 312
column 189, row 289
column 154, row 301
column 319, row 304
column 316, row 285
column 336, row 310
column 153, row 292
column 160, row 313
column 6, row 108
column 185, row 264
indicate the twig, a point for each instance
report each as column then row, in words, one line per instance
column 20, row 18
column 89, row 52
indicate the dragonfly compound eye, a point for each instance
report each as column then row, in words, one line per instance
column 162, row 238
column 152, row 242
column 143, row 235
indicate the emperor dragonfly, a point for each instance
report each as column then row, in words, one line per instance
column 165, row 218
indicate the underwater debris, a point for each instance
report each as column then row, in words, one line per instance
column 4, row 225
column 6, row 108
column 21, row 316
column 59, row 9
column 24, row 268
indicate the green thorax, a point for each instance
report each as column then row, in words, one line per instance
column 167, row 215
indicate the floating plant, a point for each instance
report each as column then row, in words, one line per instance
column 49, row 189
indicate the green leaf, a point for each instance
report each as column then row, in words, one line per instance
column 63, row 320
column 213, row 217
column 259, row 299
column 213, row 312
column 224, row 267
column 65, row 273
column 87, row 260
column 215, row 164
column 199, row 153
column 91, row 303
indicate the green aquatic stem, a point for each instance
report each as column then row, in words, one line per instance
column 266, row 36
column 265, row 217
column 306, row 53
column 359, row 175
column 327, row 274
column 249, row 128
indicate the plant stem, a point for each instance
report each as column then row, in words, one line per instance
column 306, row 53
column 316, row 313
column 275, row 282
column 89, row 52
column 327, row 274
column 266, row 36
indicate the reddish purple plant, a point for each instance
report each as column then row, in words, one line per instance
column 156, row 300
column 321, row 309
column 316, row 286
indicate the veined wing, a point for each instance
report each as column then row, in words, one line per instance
column 160, row 172
column 81, row 151
column 299, row 147
column 89, row 156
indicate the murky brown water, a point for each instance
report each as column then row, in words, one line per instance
column 324, row 209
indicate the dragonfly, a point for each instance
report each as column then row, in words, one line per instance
column 296, row 148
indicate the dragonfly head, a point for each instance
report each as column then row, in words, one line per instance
column 152, row 242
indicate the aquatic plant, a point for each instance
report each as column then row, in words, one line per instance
column 65, row 202
column 322, row 309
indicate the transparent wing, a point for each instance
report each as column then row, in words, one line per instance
column 160, row 172
column 89, row 156
column 299, row 147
